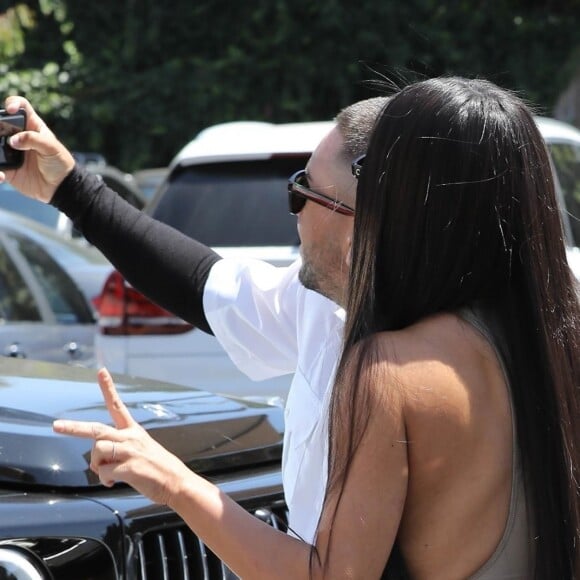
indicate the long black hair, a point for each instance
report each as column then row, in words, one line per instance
column 456, row 207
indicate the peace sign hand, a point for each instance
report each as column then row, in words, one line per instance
column 126, row 452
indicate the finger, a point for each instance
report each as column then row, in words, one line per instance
column 13, row 103
column 86, row 429
column 106, row 474
column 44, row 144
column 104, row 452
column 106, row 461
column 119, row 412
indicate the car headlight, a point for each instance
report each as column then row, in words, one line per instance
column 16, row 565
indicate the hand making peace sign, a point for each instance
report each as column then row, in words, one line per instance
column 126, row 452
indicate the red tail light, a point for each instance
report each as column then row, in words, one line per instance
column 125, row 311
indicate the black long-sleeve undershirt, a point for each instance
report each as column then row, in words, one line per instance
column 165, row 265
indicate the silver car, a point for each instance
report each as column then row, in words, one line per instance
column 46, row 287
column 123, row 183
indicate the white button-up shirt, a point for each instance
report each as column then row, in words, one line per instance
column 270, row 325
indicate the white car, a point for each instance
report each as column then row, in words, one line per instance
column 227, row 188
column 564, row 144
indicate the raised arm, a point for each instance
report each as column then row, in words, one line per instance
column 167, row 266
column 161, row 262
column 246, row 305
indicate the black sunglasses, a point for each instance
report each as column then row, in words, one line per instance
column 357, row 165
column 299, row 192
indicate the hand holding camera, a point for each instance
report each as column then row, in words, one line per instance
column 34, row 161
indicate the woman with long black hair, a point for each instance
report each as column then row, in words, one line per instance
column 463, row 315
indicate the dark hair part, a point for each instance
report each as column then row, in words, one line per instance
column 456, row 207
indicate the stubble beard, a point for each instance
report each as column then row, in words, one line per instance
column 308, row 277
column 311, row 280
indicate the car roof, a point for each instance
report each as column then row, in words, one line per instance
column 46, row 235
column 21, row 222
column 553, row 130
column 122, row 182
column 240, row 140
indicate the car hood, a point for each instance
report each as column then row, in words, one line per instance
column 210, row 433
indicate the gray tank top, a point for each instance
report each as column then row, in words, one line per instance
column 513, row 556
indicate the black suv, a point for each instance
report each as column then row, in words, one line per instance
column 57, row 522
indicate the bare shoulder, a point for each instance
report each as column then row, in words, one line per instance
column 439, row 370
column 440, row 364
column 442, row 380
column 449, row 387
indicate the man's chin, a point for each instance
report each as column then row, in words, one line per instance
column 311, row 280
column 308, row 278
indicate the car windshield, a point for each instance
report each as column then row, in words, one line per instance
column 231, row 204
column 12, row 200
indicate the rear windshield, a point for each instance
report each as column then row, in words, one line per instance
column 231, row 204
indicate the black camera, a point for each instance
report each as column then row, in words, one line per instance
column 9, row 125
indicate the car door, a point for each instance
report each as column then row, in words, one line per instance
column 43, row 314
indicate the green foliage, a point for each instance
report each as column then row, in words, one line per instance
column 136, row 79
column 13, row 23
column 36, row 75
column 46, row 88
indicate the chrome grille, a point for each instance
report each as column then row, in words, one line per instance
column 176, row 553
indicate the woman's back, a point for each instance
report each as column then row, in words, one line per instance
column 464, row 480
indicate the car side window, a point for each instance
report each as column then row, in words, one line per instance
column 17, row 303
column 232, row 204
column 66, row 300
column 566, row 157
